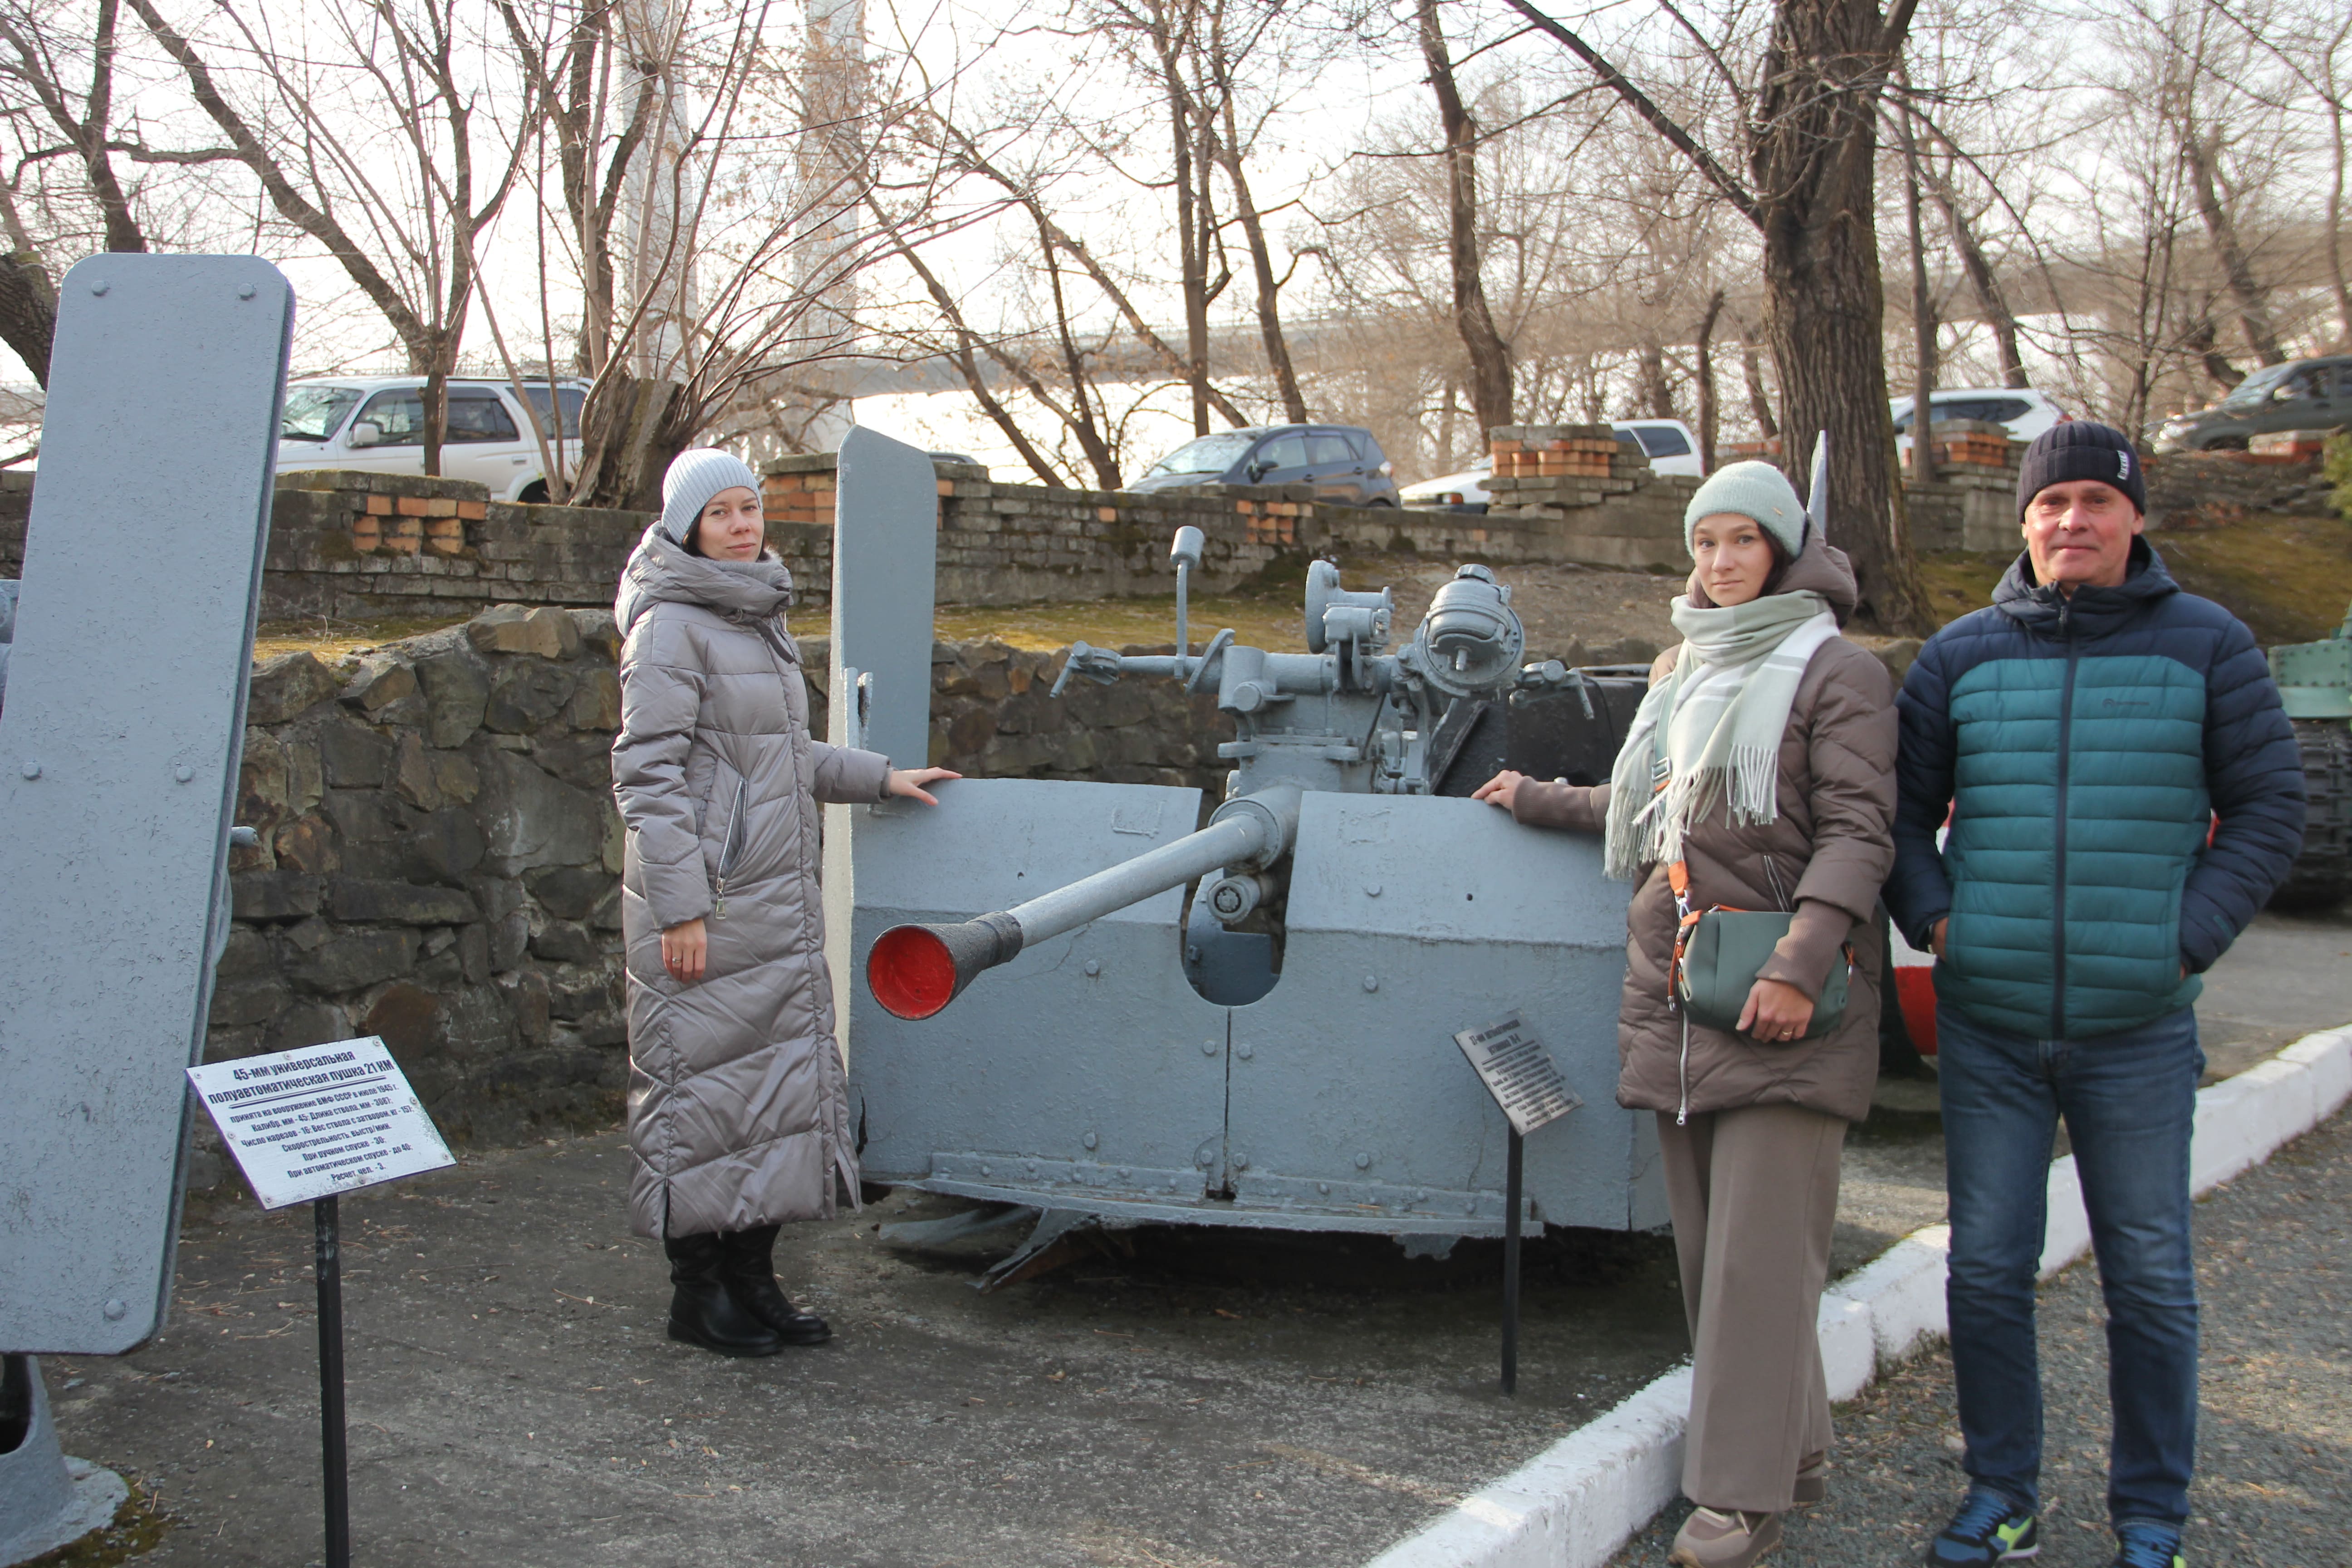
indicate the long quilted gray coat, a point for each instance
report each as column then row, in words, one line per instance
column 738, row 1110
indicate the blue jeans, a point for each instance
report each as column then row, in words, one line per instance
column 2129, row 1100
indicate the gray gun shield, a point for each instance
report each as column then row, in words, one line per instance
column 118, row 752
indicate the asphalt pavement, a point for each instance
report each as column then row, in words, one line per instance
column 2274, row 1485
column 1201, row 1400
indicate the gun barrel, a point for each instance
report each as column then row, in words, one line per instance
column 914, row 971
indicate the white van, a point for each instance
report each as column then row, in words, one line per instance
column 376, row 424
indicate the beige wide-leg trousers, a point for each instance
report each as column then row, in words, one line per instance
column 1753, row 1193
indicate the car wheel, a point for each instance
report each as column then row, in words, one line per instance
column 1382, row 500
column 2224, row 444
column 534, row 493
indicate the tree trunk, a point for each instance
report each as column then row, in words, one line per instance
column 436, row 396
column 1269, row 303
column 1490, row 356
column 1655, row 399
column 1983, row 281
column 629, row 432
column 1923, row 322
column 1812, row 151
column 2201, row 342
column 29, row 312
column 1192, row 245
column 2337, row 281
column 1709, row 416
column 1759, row 402
column 2253, row 304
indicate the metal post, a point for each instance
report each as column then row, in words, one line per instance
column 1511, row 1184
column 331, row 1383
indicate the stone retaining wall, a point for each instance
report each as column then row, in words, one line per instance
column 440, row 854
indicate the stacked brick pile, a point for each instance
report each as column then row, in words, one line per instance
column 2287, row 446
column 1604, row 504
column 1563, row 451
column 405, row 525
column 1973, row 443
column 1562, row 467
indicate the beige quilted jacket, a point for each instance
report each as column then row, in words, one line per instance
column 738, row 1114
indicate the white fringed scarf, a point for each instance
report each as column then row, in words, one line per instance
column 1724, row 708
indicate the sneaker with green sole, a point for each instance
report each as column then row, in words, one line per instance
column 1988, row 1528
column 2149, row 1546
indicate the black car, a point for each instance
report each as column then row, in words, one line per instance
column 2301, row 395
column 1343, row 463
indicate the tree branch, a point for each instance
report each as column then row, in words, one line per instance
column 1657, row 119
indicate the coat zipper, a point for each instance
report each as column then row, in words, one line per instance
column 729, row 849
column 2065, row 755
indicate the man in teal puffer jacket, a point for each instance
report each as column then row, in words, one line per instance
column 2084, row 732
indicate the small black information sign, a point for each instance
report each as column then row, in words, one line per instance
column 1518, row 1072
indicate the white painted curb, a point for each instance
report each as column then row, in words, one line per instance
column 1577, row 1502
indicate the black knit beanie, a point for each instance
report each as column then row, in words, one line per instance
column 2081, row 449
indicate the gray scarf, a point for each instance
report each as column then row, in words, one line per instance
column 1721, row 714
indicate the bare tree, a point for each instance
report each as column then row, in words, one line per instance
column 1709, row 415
column 58, row 97
column 1809, row 140
column 1490, row 355
column 400, row 61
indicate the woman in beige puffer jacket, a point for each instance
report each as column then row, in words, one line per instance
column 1752, row 1123
column 739, row 1118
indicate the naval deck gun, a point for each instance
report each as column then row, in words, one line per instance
column 1347, row 716
column 1275, row 1050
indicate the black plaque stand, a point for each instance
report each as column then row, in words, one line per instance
column 1511, row 1184
column 1519, row 1073
column 331, row 1382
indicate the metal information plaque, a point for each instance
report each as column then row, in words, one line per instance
column 321, row 1120
column 1519, row 1073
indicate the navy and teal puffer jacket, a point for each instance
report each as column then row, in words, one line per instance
column 2084, row 745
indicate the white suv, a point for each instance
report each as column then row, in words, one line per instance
column 2026, row 412
column 376, row 424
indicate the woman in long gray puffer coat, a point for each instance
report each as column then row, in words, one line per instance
column 738, row 1110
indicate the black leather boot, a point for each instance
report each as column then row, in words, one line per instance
column 704, row 1312
column 751, row 1271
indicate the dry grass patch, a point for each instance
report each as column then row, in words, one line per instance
column 2288, row 578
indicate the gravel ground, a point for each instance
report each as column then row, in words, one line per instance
column 2274, row 1488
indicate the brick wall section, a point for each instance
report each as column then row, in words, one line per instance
column 356, row 546
column 363, row 546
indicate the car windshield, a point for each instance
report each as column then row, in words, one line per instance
column 2256, row 388
column 313, row 412
column 1209, row 455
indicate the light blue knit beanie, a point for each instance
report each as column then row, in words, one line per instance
column 694, row 476
column 1751, row 489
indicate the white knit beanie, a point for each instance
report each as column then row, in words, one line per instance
column 1751, row 489
column 694, row 476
